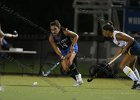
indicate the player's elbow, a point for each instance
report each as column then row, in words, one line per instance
column 50, row 39
column 131, row 40
column 76, row 37
column 1, row 34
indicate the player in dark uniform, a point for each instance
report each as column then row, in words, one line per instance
column 4, row 44
column 64, row 43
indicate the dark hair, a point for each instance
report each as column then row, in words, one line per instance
column 108, row 26
column 55, row 23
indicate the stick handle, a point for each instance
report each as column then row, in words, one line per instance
column 114, row 59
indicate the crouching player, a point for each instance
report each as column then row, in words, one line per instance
column 128, row 46
column 64, row 43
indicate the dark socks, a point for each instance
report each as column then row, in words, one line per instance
column 73, row 71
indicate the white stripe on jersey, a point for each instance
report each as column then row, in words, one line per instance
column 119, row 43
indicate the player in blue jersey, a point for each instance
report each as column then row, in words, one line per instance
column 128, row 46
column 64, row 43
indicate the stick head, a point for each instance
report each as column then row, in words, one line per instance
column 93, row 70
column 89, row 80
column 45, row 74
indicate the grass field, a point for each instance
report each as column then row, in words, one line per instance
column 60, row 88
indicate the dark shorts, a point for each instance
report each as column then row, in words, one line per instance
column 134, row 49
column 4, row 44
column 65, row 52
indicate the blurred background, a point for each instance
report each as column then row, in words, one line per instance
column 31, row 19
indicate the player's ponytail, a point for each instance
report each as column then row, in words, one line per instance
column 108, row 26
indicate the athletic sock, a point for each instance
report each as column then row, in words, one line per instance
column 73, row 76
column 136, row 73
column 73, row 71
column 130, row 73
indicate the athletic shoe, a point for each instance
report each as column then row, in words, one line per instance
column 138, row 86
column 77, row 84
column 79, row 80
column 134, row 85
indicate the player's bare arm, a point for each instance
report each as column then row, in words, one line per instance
column 119, row 50
column 126, row 38
column 74, row 36
column 2, row 34
column 56, row 49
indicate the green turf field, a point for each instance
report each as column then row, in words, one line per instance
column 60, row 88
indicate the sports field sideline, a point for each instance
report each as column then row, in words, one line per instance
column 60, row 88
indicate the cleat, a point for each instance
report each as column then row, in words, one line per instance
column 138, row 86
column 134, row 85
column 77, row 84
column 79, row 80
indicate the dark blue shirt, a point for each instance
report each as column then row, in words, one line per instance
column 62, row 41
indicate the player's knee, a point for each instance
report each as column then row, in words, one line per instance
column 69, row 63
column 72, row 66
column 65, row 69
column 122, row 67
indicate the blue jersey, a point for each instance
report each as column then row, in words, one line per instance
column 64, row 42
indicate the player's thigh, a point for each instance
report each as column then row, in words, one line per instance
column 132, row 61
column 71, row 58
column 64, row 65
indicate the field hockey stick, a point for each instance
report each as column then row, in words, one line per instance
column 15, row 33
column 114, row 59
column 109, row 63
column 54, row 66
column 51, row 69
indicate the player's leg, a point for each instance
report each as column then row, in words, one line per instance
column 64, row 65
column 128, row 71
column 73, row 69
column 5, row 44
column 132, row 64
column 72, row 64
column 66, row 69
column 64, row 61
